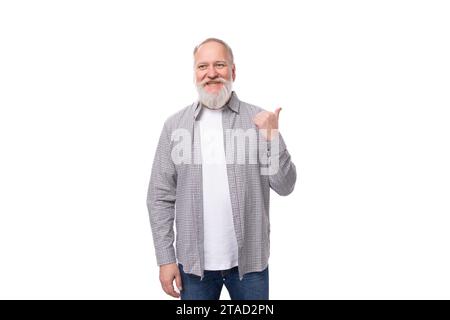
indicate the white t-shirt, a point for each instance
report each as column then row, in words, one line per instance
column 220, row 244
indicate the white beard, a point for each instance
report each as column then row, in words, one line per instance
column 215, row 100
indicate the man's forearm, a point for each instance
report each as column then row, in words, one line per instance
column 161, row 199
column 283, row 179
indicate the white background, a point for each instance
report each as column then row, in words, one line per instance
column 85, row 87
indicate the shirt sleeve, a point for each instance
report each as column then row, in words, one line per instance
column 282, row 173
column 161, row 200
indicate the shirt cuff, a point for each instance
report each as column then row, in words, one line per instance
column 275, row 147
column 165, row 256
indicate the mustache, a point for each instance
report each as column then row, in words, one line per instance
column 205, row 81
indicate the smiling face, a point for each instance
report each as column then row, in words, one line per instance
column 212, row 66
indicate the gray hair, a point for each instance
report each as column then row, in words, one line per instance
column 227, row 47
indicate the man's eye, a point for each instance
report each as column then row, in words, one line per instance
column 202, row 67
column 220, row 65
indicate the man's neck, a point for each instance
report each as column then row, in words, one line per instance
column 214, row 109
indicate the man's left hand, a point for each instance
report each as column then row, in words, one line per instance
column 268, row 121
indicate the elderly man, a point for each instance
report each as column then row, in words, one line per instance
column 215, row 164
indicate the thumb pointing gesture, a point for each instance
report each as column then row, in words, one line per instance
column 268, row 121
column 277, row 112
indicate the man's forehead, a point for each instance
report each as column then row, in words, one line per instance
column 211, row 50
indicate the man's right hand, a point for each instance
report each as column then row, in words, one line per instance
column 167, row 273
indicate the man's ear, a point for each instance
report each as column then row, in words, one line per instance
column 233, row 71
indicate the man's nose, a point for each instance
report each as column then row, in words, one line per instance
column 212, row 72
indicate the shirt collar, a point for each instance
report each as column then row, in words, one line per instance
column 233, row 104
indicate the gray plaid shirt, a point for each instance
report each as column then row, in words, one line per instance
column 175, row 191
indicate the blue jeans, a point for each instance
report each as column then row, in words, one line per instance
column 253, row 286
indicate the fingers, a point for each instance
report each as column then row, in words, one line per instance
column 168, row 288
column 265, row 116
column 178, row 281
column 166, row 280
column 168, row 273
column 257, row 117
column 261, row 117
